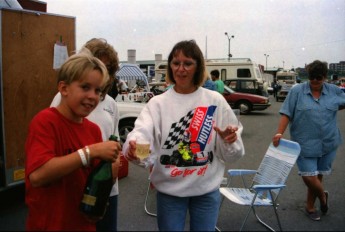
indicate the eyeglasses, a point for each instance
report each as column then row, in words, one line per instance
column 319, row 77
column 188, row 65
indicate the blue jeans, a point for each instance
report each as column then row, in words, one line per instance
column 203, row 211
column 109, row 221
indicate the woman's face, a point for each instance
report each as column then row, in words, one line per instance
column 183, row 69
column 316, row 83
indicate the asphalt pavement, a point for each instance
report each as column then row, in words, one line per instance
column 259, row 127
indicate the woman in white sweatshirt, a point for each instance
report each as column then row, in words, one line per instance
column 193, row 132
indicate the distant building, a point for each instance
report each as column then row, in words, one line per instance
column 334, row 70
column 337, row 67
column 273, row 71
column 146, row 66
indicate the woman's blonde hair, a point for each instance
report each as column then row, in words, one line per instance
column 100, row 48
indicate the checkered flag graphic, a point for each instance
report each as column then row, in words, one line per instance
column 177, row 129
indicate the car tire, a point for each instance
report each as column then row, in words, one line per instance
column 125, row 126
column 244, row 106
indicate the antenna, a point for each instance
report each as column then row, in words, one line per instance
column 206, row 48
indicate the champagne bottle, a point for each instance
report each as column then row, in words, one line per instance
column 97, row 189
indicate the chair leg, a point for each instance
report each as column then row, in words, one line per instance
column 245, row 219
column 265, row 224
column 278, row 220
column 274, row 205
column 146, row 199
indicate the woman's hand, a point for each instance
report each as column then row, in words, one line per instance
column 131, row 155
column 276, row 138
column 228, row 135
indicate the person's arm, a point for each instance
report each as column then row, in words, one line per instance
column 116, row 167
column 55, row 169
column 228, row 144
column 143, row 129
column 283, row 123
column 58, row 167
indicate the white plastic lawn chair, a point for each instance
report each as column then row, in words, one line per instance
column 150, row 188
column 268, row 180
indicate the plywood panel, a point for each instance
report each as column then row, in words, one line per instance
column 28, row 77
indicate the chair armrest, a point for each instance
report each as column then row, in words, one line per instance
column 268, row 187
column 240, row 172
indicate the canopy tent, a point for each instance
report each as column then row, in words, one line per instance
column 129, row 72
column 136, row 81
column 14, row 4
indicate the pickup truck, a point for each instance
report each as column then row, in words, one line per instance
column 245, row 85
column 129, row 111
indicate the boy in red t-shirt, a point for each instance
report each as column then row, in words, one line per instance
column 63, row 147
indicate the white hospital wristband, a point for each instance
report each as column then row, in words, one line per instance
column 82, row 157
column 87, row 154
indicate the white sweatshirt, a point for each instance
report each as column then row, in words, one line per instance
column 170, row 118
column 106, row 116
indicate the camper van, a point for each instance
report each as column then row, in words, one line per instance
column 285, row 80
column 235, row 68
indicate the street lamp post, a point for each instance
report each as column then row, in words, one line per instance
column 266, row 59
column 229, row 38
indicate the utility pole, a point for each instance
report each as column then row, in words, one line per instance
column 266, row 55
column 229, row 38
column 206, row 48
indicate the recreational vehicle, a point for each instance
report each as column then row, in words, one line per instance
column 285, row 80
column 235, row 68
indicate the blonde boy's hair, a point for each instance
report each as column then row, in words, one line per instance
column 77, row 65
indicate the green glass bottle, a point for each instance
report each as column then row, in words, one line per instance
column 97, row 189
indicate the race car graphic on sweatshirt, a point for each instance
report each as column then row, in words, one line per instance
column 190, row 136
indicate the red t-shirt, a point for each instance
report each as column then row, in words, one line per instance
column 56, row 206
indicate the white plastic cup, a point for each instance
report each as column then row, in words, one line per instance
column 143, row 149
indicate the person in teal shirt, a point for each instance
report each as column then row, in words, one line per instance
column 218, row 83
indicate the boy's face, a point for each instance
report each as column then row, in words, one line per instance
column 81, row 97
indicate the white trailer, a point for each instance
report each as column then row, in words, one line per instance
column 235, row 68
column 285, row 80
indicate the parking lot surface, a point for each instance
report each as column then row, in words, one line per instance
column 259, row 127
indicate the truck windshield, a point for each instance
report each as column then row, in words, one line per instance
column 284, row 78
column 243, row 72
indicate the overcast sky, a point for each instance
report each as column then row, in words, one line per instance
column 291, row 32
